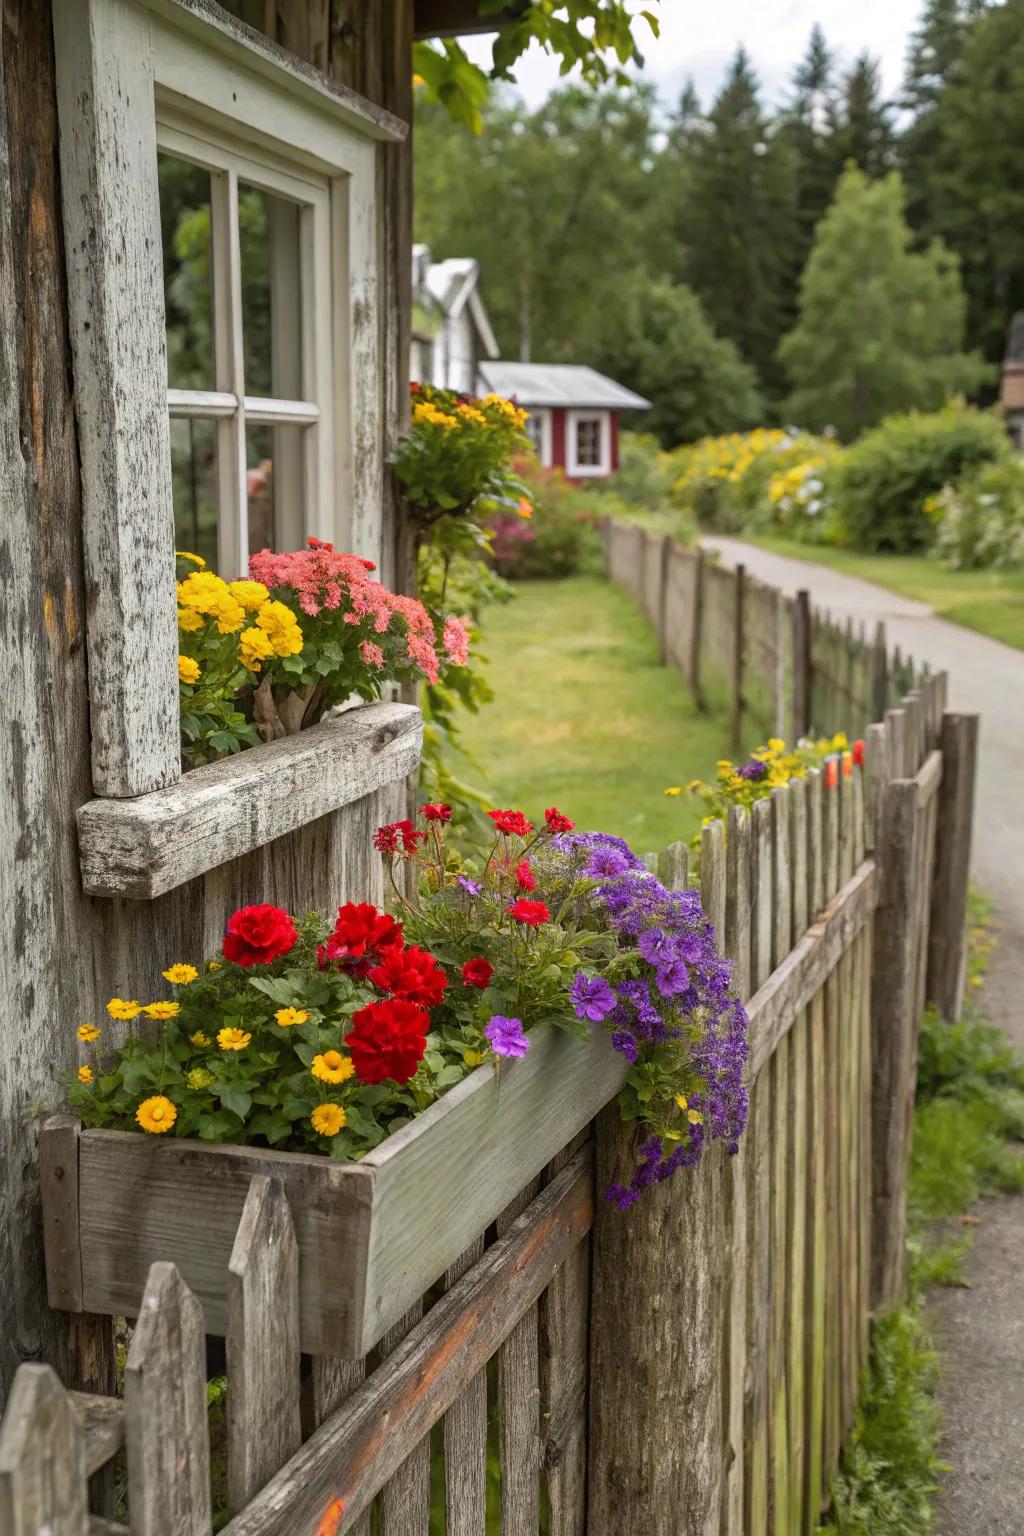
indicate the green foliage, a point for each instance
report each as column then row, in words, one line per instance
column 561, row 537
column 881, row 325
column 884, row 481
column 980, row 519
column 455, row 458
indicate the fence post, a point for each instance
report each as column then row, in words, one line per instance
column 879, row 674
column 801, row 664
column 894, row 1027
column 738, row 642
column 42, row 1459
column 664, row 557
column 698, row 624
column 947, row 942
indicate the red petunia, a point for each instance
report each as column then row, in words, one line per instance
column 361, row 938
column 512, row 823
column 477, row 973
column 438, row 812
column 258, row 935
column 525, row 878
column 532, row 913
column 388, row 1041
column 556, row 822
column 858, row 752
column 399, row 837
column 411, row 974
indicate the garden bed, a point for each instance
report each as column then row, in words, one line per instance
column 373, row 1235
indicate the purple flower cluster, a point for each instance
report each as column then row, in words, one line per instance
column 754, row 771
column 682, row 992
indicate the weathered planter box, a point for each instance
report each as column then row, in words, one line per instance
column 373, row 1235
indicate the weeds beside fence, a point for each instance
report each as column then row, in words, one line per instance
column 691, row 1366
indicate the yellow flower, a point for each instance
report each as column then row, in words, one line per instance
column 286, row 1016
column 694, row 1116
column 156, row 1115
column 233, row 1039
column 775, row 745
column 189, row 671
column 87, row 1032
column 673, row 1135
column 213, row 965
column 205, row 593
column 85, row 1074
column 199, row 1038
column 682, row 1100
column 199, row 1078
column 197, row 560
column 282, row 627
column 332, row 1067
column 251, row 594
column 254, row 647
column 472, row 1058
column 693, row 784
column 327, row 1119
column 674, row 789
column 119, row 1009
column 162, row 1010
column 189, row 620
column 180, row 974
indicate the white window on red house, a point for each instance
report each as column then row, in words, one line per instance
column 589, row 442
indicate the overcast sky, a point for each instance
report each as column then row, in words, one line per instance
column 698, row 39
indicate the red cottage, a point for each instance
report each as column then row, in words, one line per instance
column 574, row 413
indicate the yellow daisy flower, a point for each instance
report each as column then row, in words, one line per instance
column 199, row 1038
column 85, row 1074
column 180, row 975
column 332, row 1067
column 162, row 1010
column 87, row 1032
column 327, row 1119
column 118, row 1008
column 233, row 1039
column 156, row 1115
column 189, row 671
column 287, row 1016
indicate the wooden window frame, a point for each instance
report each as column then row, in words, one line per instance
column 119, row 64
column 576, row 420
column 543, row 417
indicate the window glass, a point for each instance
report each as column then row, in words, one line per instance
column 588, row 441
column 194, row 479
column 268, row 231
column 535, row 430
column 188, row 272
column 274, row 481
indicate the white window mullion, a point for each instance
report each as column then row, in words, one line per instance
column 229, row 369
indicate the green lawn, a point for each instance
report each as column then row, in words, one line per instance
column 989, row 601
column 585, row 718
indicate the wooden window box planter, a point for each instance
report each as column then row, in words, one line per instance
column 148, row 845
column 372, row 1235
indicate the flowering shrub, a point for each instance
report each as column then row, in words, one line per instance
column 980, row 521
column 264, row 657
column 458, row 452
column 734, row 483
column 765, row 769
column 553, row 532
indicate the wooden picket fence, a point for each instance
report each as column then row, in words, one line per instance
column 691, row 1366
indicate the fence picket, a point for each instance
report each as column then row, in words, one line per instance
column 947, row 950
column 797, row 1163
column 166, row 1430
column 404, row 1500
column 42, row 1459
column 677, row 860
column 465, row 1437
column 779, row 1081
column 264, row 1425
column 519, row 1407
column 736, row 929
column 759, row 1205
column 564, row 1342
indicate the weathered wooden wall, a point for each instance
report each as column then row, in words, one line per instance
column 63, row 953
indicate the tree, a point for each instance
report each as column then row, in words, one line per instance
column 738, row 221
column 863, row 131
column 932, row 64
column 665, row 347
column 881, row 325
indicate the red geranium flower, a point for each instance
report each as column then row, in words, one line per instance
column 525, row 878
column 258, row 935
column 436, row 812
column 532, row 913
column 858, row 752
column 556, row 822
column 411, row 974
column 362, row 936
column 388, row 1040
column 399, row 837
column 512, row 823
column 477, row 973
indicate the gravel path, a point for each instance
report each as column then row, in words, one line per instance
column 981, row 1328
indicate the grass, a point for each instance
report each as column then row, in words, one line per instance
column 991, row 602
column 968, row 1126
column 585, row 718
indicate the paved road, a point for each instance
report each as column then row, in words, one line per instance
column 982, row 1329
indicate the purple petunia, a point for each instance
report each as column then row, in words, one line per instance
column 592, row 997
column 626, row 1045
column 754, row 771
column 473, row 887
column 506, row 1036
column 606, row 864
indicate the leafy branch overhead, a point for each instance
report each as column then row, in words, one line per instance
column 595, row 36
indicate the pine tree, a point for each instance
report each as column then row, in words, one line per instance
column 881, row 326
column 864, row 133
column 932, row 63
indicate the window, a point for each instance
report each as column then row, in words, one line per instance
column 589, row 445
column 224, row 281
column 538, row 430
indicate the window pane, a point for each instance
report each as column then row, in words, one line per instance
column 588, row 442
column 185, row 233
column 271, row 308
column 194, row 478
column 274, row 481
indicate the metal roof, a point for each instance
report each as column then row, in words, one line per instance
column 559, row 384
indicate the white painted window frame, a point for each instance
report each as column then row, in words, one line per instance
column 543, row 417
column 574, row 419
column 121, row 66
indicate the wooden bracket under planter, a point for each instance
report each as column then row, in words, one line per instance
column 373, row 1235
column 146, row 846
